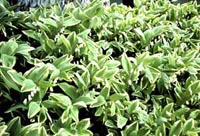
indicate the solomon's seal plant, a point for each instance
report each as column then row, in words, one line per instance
column 82, row 71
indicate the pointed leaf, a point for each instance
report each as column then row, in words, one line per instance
column 188, row 126
column 62, row 100
column 70, row 21
column 28, row 85
column 68, row 89
column 126, row 64
column 33, row 109
column 176, row 129
column 121, row 121
column 84, row 124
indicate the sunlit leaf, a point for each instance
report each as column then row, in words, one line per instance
column 33, row 109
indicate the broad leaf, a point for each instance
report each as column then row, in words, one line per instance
column 33, row 109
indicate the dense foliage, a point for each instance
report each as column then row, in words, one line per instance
column 26, row 4
column 100, row 71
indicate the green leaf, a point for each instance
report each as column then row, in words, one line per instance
column 86, row 99
column 161, row 130
column 79, row 81
column 24, row 49
column 188, row 126
column 132, row 127
column 192, row 70
column 86, row 77
column 44, row 40
column 100, row 100
column 176, row 129
column 121, row 121
column 182, row 111
column 99, row 111
column 65, row 116
column 48, row 21
column 139, row 32
column 68, row 89
column 167, row 110
column 8, row 61
column 63, row 63
column 133, row 106
column 14, row 126
column 154, row 32
column 74, row 113
column 63, row 132
column 150, row 59
column 67, row 44
column 32, row 132
column 43, row 27
column 7, row 79
column 16, row 107
column 108, row 74
column 137, row 3
column 143, row 132
column 152, row 74
column 43, row 131
column 72, row 39
column 112, row 64
column 28, row 85
column 56, row 72
column 16, row 77
column 98, row 76
column 32, row 34
column 84, row 133
column 94, row 9
column 105, row 92
column 190, row 133
column 113, row 109
column 80, row 104
column 109, row 123
column 49, row 103
column 195, row 114
column 33, row 109
column 126, row 64
column 119, row 96
column 3, row 129
column 38, row 73
column 194, row 87
column 62, row 100
column 43, row 115
column 70, row 21
column 83, row 124
column 9, row 47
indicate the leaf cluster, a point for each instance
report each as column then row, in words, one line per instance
column 94, row 70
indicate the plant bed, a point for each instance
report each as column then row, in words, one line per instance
column 81, row 71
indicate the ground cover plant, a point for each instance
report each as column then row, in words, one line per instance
column 81, row 71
